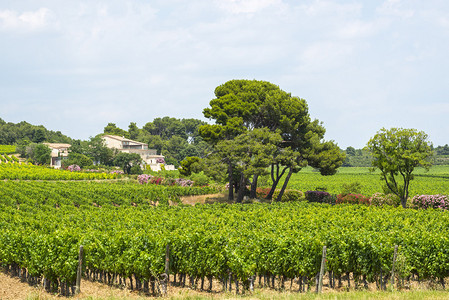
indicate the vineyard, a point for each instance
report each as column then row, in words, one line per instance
column 435, row 181
column 24, row 171
column 7, row 149
column 125, row 235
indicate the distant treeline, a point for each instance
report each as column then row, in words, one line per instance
column 23, row 132
column 362, row 157
column 174, row 138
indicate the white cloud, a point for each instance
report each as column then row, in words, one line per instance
column 325, row 55
column 323, row 7
column 246, row 6
column 394, row 8
column 25, row 21
column 360, row 29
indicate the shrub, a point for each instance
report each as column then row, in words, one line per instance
column 430, row 201
column 183, row 182
column 74, row 168
column 318, row 197
column 200, row 179
column 261, row 193
column 135, row 170
column 353, row 199
column 380, row 199
column 144, row 178
column 118, row 172
column 289, row 195
column 351, row 188
column 156, row 180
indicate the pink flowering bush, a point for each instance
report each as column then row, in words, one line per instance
column 144, row 178
column 118, row 172
column 160, row 160
column 183, row 182
column 74, row 168
column 430, row 201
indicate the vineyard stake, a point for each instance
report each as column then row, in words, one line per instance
column 323, row 264
column 392, row 267
column 166, row 275
column 80, row 270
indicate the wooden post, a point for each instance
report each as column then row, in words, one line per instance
column 394, row 262
column 166, row 275
column 79, row 273
column 323, row 264
column 167, row 261
column 381, row 278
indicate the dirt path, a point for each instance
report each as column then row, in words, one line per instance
column 12, row 288
column 192, row 200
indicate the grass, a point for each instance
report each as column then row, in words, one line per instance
column 355, row 295
column 267, row 294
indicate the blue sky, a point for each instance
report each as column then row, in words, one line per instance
column 75, row 66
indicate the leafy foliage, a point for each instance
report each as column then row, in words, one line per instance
column 396, row 153
column 127, row 161
column 244, row 106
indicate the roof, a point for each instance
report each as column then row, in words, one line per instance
column 122, row 139
column 57, row 145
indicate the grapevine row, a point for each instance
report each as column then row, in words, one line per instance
column 283, row 240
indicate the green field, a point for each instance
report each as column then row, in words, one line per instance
column 434, row 181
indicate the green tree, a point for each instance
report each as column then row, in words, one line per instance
column 166, row 127
column 243, row 105
column 112, row 129
column 350, row 151
column 133, row 131
column 40, row 153
column 254, row 152
column 396, row 153
column 77, row 159
column 98, row 151
column 189, row 165
column 127, row 161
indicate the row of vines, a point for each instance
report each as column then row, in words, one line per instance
column 7, row 149
column 4, row 158
column 435, row 181
column 218, row 241
column 25, row 171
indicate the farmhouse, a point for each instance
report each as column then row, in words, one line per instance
column 59, row 152
column 149, row 156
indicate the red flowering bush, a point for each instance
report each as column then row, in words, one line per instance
column 156, row 180
column 352, row 199
column 261, row 193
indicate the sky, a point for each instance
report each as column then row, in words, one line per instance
column 75, row 66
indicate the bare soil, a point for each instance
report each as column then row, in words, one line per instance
column 210, row 198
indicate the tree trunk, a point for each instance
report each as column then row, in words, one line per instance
column 231, row 183
column 253, row 193
column 241, row 189
column 275, row 178
column 284, row 186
